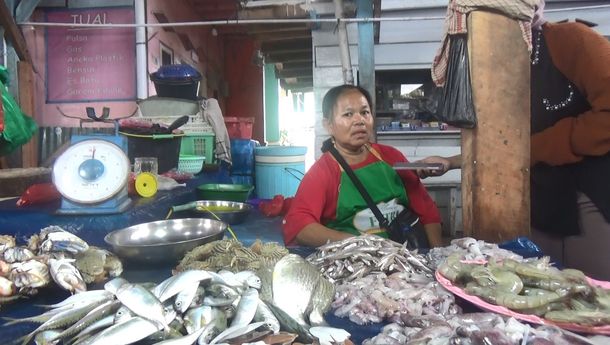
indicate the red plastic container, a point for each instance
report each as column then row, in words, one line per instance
column 239, row 127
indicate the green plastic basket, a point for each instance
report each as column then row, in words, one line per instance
column 199, row 144
column 229, row 192
column 190, row 164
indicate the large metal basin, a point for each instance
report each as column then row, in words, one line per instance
column 231, row 212
column 164, row 241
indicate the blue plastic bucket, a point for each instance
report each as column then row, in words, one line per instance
column 278, row 170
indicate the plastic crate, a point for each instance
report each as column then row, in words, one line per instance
column 195, row 125
column 239, row 127
column 199, row 144
column 190, row 164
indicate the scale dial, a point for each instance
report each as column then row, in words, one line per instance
column 91, row 171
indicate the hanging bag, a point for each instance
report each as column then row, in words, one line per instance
column 405, row 228
column 453, row 103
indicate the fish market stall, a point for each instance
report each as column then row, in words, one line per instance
column 374, row 289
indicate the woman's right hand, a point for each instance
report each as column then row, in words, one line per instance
column 445, row 166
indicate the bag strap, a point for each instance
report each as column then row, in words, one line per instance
column 383, row 222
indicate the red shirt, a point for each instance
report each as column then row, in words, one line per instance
column 316, row 198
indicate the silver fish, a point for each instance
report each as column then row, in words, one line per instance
column 66, row 275
column 130, row 331
column 263, row 313
column 299, row 289
column 100, row 312
column 94, row 327
column 236, row 331
column 185, row 297
column 183, row 279
column 249, row 279
column 83, row 297
column 142, row 302
column 113, row 285
column 246, row 308
column 47, row 337
column 220, row 295
column 199, row 317
column 186, row 340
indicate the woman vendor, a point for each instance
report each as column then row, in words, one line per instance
column 327, row 206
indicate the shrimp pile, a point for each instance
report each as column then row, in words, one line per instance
column 356, row 257
column 378, row 297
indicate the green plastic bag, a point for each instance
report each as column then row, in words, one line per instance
column 18, row 127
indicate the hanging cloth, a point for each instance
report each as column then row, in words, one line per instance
column 213, row 115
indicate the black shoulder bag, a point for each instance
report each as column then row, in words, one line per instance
column 405, row 228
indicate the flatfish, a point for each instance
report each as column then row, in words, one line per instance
column 300, row 290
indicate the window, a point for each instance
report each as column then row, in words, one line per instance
column 167, row 55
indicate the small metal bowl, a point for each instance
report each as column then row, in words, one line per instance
column 231, row 212
column 164, row 241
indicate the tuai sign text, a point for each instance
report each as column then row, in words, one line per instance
column 91, row 64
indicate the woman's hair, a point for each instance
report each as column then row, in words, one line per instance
column 328, row 103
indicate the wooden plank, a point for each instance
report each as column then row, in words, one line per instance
column 495, row 173
column 14, row 35
column 29, row 151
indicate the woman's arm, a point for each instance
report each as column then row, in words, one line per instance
column 448, row 163
column 316, row 234
column 434, row 233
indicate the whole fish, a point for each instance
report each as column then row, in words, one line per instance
column 199, row 317
column 220, row 295
column 66, row 275
column 100, row 312
column 185, row 297
column 186, row 340
column 143, row 303
column 183, row 279
column 236, row 331
column 246, row 308
column 130, row 331
column 264, row 314
column 93, row 328
column 83, row 297
column 299, row 288
column 249, row 279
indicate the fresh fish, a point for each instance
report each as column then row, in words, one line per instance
column 123, row 314
column 42, row 318
column 236, row 331
column 113, row 285
column 246, row 308
column 185, row 297
column 299, row 289
column 66, row 275
column 220, row 295
column 291, row 325
column 142, row 302
column 264, row 314
column 94, row 327
column 48, row 337
column 186, row 340
column 249, row 279
column 100, row 312
column 199, row 317
column 58, row 241
column 81, row 298
column 130, row 331
column 183, row 279
column 210, row 331
column 62, row 319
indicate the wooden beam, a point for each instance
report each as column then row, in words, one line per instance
column 495, row 172
column 25, row 72
column 13, row 34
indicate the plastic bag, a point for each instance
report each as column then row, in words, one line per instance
column 18, row 128
column 39, row 193
column 453, row 103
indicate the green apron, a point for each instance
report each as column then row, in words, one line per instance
column 385, row 188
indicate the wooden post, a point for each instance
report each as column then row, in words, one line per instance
column 496, row 154
column 29, row 151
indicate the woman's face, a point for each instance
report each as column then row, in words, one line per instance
column 352, row 120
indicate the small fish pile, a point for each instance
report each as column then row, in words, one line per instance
column 52, row 255
column 232, row 255
column 194, row 307
column 532, row 287
column 377, row 298
column 469, row 249
column 356, row 257
column 474, row 328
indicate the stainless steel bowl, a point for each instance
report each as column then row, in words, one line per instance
column 164, row 241
column 231, row 212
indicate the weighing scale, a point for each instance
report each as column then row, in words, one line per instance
column 92, row 175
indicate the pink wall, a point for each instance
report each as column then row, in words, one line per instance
column 208, row 48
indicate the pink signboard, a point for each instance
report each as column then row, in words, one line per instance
column 91, row 64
